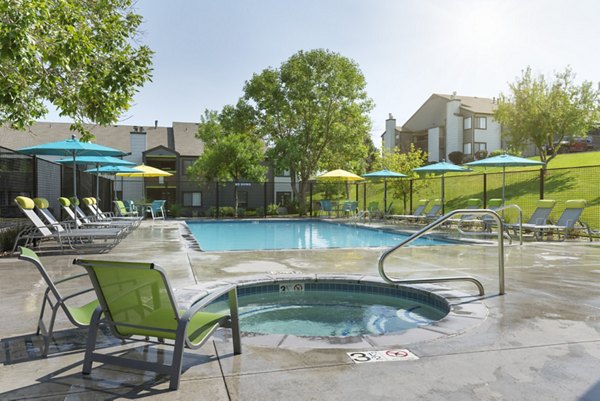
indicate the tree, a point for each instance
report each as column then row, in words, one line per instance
column 232, row 148
column 545, row 113
column 403, row 162
column 80, row 56
column 313, row 114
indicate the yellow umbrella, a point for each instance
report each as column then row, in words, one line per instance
column 146, row 171
column 339, row 175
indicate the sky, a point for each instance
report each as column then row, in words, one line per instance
column 205, row 50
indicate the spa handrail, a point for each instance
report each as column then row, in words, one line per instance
column 435, row 224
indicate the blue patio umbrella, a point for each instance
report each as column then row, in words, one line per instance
column 74, row 148
column 385, row 174
column 112, row 169
column 98, row 161
column 442, row 168
column 503, row 161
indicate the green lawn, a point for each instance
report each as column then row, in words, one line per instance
column 569, row 176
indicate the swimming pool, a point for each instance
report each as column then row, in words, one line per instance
column 333, row 308
column 293, row 234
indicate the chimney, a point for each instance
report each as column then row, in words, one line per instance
column 453, row 95
column 155, row 124
column 390, row 116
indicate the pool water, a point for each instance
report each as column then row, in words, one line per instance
column 293, row 234
column 330, row 314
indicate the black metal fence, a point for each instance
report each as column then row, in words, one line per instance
column 34, row 177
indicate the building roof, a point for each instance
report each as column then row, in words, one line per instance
column 473, row 104
column 114, row 136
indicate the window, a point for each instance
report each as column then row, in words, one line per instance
column 481, row 122
column 243, row 199
column 187, row 164
column 192, row 199
column 467, row 148
column 467, row 123
column 283, row 198
column 477, row 146
column 282, row 173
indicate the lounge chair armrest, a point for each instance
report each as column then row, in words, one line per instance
column 78, row 293
column 203, row 302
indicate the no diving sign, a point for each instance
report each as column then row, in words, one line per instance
column 390, row 355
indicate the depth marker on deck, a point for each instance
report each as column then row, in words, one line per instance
column 392, row 355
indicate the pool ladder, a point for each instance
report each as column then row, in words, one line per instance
column 438, row 223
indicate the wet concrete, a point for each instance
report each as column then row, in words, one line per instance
column 540, row 341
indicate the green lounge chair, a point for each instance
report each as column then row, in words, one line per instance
column 419, row 212
column 121, row 210
column 349, row 208
column 540, row 216
column 79, row 316
column 84, row 221
column 137, row 300
column 76, row 240
column 568, row 222
column 42, row 204
column 433, row 213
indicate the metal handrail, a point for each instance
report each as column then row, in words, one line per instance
column 520, row 220
column 435, row 224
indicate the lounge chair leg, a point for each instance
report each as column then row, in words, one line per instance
column 91, row 341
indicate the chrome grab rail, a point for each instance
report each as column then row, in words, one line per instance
column 435, row 224
column 520, row 219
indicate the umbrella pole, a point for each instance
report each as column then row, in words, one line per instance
column 75, row 185
column 443, row 205
column 384, row 198
column 97, row 183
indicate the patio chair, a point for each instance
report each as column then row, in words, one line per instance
column 96, row 213
column 326, row 206
column 374, row 211
column 84, row 221
column 79, row 316
column 349, row 208
column 568, row 221
column 157, row 209
column 472, row 203
column 121, row 210
column 540, row 216
column 419, row 212
column 76, row 240
column 41, row 204
column 433, row 213
column 136, row 300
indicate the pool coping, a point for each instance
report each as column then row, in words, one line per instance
column 466, row 312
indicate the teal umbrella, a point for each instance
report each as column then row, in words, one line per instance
column 112, row 169
column 98, row 161
column 503, row 161
column 442, row 168
column 74, row 148
column 385, row 174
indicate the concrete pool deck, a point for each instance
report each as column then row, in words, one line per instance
column 540, row 341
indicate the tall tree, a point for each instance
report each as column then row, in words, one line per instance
column 403, row 162
column 80, row 56
column 544, row 113
column 313, row 113
column 232, row 148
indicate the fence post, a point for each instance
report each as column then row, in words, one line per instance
column 484, row 190
column 310, row 191
column 542, row 183
column 365, row 195
column 35, row 177
column 217, row 195
column 265, row 198
column 411, row 195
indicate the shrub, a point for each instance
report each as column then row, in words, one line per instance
column 272, row 209
column 496, row 152
column 175, row 210
column 8, row 236
column 260, row 212
column 456, row 157
column 468, row 159
column 481, row 154
column 241, row 212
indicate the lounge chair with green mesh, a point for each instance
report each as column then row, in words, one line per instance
column 80, row 316
column 137, row 300
column 83, row 241
column 99, row 215
column 568, row 222
column 83, row 221
column 41, row 204
column 419, row 212
column 539, row 217
column 121, row 210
